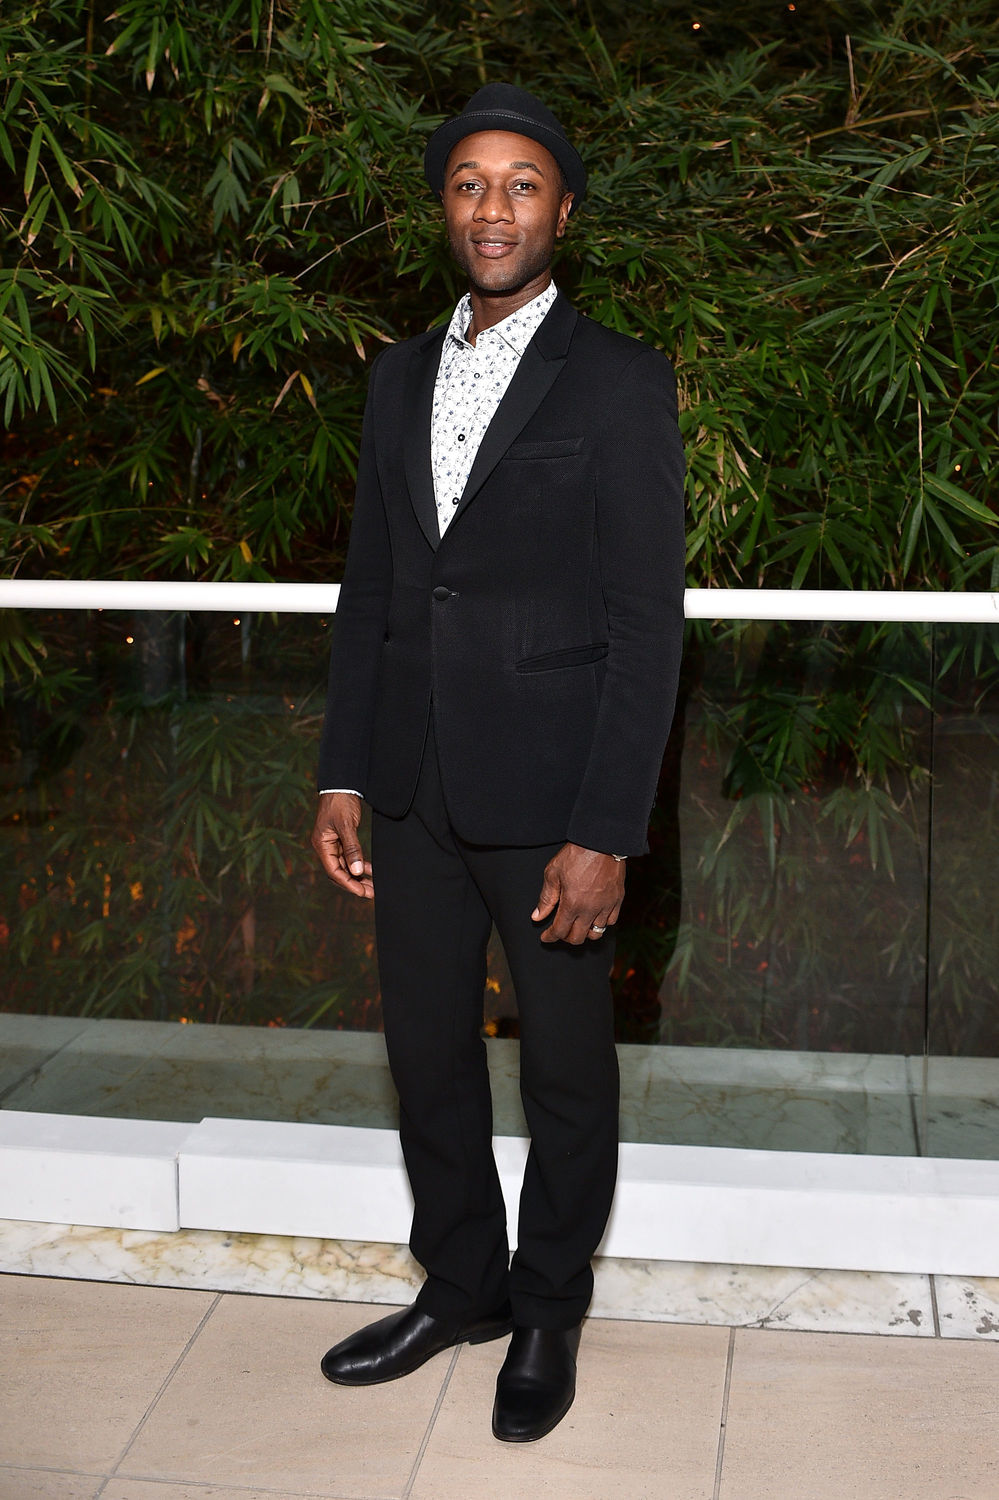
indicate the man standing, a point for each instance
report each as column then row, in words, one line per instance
column 501, row 688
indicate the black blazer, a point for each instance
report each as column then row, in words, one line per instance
column 545, row 626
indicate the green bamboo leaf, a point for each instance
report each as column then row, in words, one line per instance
column 31, row 166
column 7, row 149
column 953, row 495
column 942, row 526
column 62, row 161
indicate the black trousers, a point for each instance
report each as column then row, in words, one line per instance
column 436, row 900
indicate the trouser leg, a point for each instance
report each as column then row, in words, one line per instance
column 569, row 1086
column 432, row 930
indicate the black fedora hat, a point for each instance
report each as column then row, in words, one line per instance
column 501, row 106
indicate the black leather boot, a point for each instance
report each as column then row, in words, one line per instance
column 537, row 1383
column 402, row 1342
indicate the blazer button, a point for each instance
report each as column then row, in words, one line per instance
column 441, row 593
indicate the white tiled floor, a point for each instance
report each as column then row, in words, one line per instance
column 116, row 1392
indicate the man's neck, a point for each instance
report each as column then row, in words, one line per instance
column 490, row 308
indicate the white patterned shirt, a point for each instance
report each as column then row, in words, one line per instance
column 471, row 382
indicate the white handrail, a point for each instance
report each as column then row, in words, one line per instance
column 137, row 594
column 924, row 606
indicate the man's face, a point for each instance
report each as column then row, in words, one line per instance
column 504, row 209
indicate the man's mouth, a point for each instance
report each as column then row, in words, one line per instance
column 493, row 249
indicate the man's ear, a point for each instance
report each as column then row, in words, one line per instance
column 565, row 207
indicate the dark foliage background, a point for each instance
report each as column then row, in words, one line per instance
column 212, row 215
column 211, row 218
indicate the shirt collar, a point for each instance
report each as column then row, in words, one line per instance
column 517, row 330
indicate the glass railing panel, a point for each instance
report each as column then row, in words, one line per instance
column 169, row 948
column 960, row 1110
column 774, row 944
column 155, row 824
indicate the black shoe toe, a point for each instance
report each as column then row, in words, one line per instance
column 402, row 1342
column 537, row 1384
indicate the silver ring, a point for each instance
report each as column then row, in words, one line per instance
column 595, row 928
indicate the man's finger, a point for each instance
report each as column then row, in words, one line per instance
column 353, row 856
column 598, row 926
column 561, row 927
column 547, row 901
column 327, row 847
column 364, row 887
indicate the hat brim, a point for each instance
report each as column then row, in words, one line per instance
column 447, row 136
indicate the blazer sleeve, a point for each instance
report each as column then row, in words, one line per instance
column 641, row 552
column 359, row 625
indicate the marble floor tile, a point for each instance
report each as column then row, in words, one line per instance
column 644, row 1424
column 687, row 1292
column 72, row 1399
column 640, row 1290
column 763, row 1296
column 27, row 1043
column 710, row 1096
column 252, row 1408
column 166, row 1071
column 968, row 1077
column 105, row 1062
column 48, row 1484
column 766, row 1100
column 216, row 1260
column 956, row 1105
column 834, row 1417
column 962, row 1126
column 855, row 1302
column 968, row 1306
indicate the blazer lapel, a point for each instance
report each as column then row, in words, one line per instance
column 539, row 368
column 420, row 380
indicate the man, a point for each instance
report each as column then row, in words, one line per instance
column 501, row 688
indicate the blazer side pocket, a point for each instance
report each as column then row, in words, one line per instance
column 557, row 448
column 575, row 656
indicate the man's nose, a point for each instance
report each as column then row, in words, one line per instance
column 493, row 205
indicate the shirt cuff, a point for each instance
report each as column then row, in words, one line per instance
column 350, row 791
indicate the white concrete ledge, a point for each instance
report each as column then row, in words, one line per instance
column 324, row 1181
column 676, row 1203
column 79, row 1169
column 782, row 1208
column 272, row 1177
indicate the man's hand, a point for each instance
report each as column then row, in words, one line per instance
column 584, row 889
column 335, row 840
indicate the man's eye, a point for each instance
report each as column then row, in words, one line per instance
column 526, row 184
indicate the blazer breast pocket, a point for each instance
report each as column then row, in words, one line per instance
column 557, row 448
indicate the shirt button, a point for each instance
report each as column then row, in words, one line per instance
column 455, row 499
column 441, row 593
column 461, row 437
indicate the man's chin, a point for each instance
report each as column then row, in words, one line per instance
column 495, row 281
column 499, row 278
column 502, row 284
